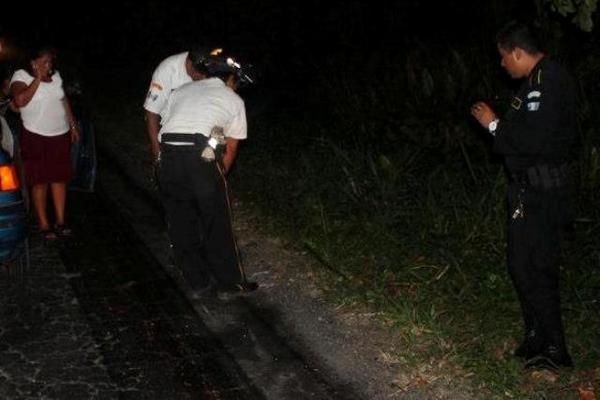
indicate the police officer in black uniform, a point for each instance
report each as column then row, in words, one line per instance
column 536, row 138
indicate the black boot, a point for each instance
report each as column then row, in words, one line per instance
column 554, row 355
column 530, row 347
column 551, row 358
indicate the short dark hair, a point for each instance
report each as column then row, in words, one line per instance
column 37, row 51
column 518, row 34
column 197, row 55
column 211, row 66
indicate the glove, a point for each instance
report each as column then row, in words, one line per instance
column 217, row 138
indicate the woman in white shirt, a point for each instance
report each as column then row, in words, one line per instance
column 49, row 128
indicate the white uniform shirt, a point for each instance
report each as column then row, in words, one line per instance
column 45, row 113
column 198, row 106
column 168, row 76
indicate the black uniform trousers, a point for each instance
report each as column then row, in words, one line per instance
column 194, row 195
column 533, row 256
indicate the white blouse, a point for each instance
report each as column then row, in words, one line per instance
column 45, row 113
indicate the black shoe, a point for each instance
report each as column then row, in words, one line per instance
column 531, row 346
column 551, row 358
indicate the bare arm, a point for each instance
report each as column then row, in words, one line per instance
column 231, row 147
column 73, row 127
column 153, row 127
column 23, row 93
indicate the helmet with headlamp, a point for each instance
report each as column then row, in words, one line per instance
column 216, row 64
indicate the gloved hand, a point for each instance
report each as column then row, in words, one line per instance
column 154, row 168
column 217, row 138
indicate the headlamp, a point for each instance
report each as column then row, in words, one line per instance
column 216, row 62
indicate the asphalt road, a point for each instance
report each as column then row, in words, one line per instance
column 97, row 316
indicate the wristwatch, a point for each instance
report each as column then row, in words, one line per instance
column 493, row 126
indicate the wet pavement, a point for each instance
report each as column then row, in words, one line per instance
column 95, row 317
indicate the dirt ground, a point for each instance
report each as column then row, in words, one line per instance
column 350, row 345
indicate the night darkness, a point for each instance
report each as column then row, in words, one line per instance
column 286, row 41
column 293, row 46
column 362, row 148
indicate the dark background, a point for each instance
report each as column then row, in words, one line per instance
column 286, row 41
column 337, row 62
column 362, row 150
column 349, row 67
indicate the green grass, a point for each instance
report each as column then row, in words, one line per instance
column 396, row 194
column 403, row 208
column 422, row 243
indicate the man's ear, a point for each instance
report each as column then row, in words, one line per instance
column 518, row 53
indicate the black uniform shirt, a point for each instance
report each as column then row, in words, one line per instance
column 540, row 126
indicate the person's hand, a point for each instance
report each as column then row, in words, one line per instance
column 154, row 171
column 74, row 130
column 41, row 70
column 483, row 113
column 155, row 154
column 38, row 70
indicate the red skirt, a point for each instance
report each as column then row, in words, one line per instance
column 46, row 159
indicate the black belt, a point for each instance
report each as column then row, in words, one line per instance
column 197, row 139
column 543, row 176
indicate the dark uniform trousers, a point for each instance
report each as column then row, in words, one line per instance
column 194, row 195
column 533, row 255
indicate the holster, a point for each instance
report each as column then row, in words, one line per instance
column 544, row 176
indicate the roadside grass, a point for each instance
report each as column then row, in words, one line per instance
column 422, row 244
column 422, row 247
column 404, row 213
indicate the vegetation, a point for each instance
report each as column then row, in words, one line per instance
column 581, row 11
column 393, row 189
column 377, row 169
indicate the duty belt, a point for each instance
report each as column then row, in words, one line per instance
column 197, row 139
column 543, row 176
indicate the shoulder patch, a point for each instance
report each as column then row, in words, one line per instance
column 151, row 96
column 533, row 106
column 534, row 94
column 516, row 103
